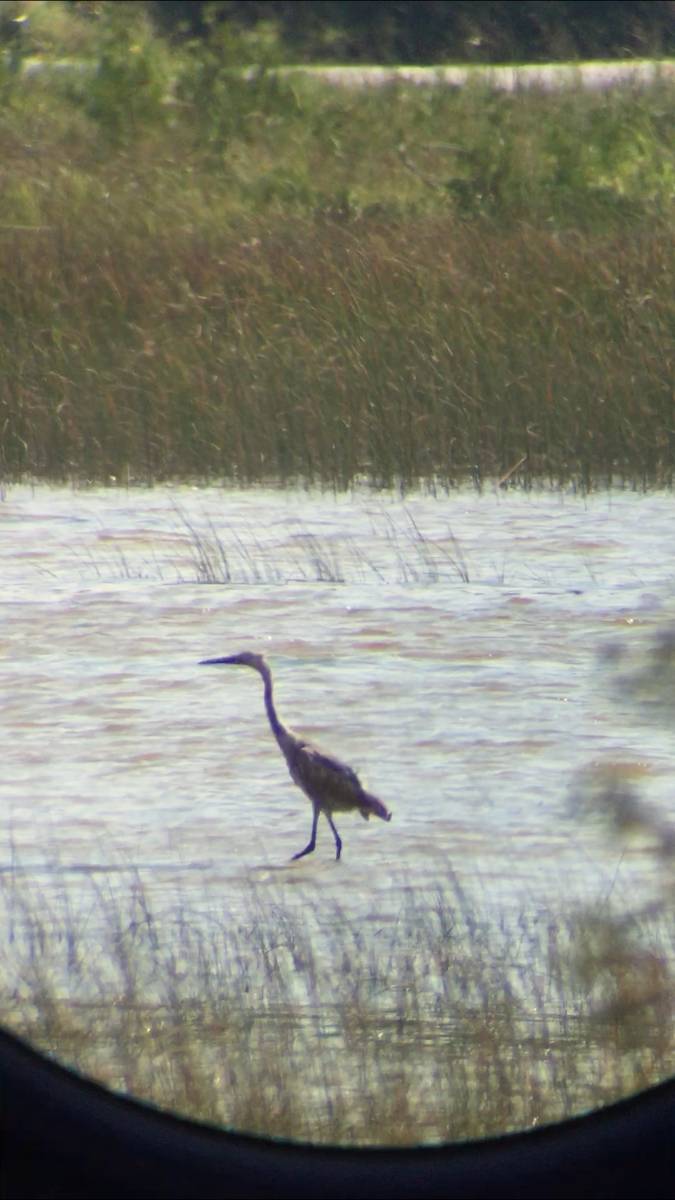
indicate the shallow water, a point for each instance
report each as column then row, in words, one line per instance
column 446, row 647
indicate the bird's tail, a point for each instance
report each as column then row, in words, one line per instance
column 370, row 806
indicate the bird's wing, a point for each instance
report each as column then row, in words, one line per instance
column 317, row 770
column 328, row 763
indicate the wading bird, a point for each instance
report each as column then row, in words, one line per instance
column 330, row 785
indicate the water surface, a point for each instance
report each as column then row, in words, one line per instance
column 446, row 647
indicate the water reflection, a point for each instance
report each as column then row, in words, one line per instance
column 448, row 649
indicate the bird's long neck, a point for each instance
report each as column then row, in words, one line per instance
column 280, row 733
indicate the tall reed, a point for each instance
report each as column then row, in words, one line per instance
column 257, row 277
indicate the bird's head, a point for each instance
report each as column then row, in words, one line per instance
column 248, row 658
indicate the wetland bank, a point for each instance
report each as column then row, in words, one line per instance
column 379, row 384
column 480, row 659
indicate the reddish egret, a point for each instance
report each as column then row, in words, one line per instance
column 330, row 785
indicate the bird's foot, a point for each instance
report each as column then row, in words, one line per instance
column 302, row 853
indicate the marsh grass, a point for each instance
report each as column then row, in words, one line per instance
column 292, row 1019
column 390, row 354
column 401, row 553
column 210, row 273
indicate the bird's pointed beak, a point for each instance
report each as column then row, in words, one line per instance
column 213, row 662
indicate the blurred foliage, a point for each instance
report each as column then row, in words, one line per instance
column 433, row 31
column 456, row 1021
column 422, row 32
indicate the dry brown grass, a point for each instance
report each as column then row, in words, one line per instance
column 444, row 1024
column 273, row 280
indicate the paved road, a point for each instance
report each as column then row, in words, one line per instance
column 550, row 77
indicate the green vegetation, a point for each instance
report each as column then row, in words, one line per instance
column 416, row 31
column 207, row 274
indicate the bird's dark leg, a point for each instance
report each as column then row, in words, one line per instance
column 338, row 839
column 312, row 841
